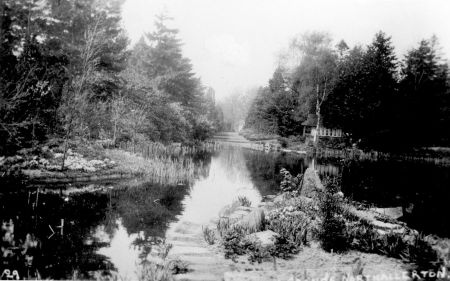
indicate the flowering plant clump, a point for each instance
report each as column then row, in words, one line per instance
column 291, row 223
column 291, row 202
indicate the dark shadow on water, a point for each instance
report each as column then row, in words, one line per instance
column 265, row 168
column 32, row 241
column 36, row 246
column 421, row 189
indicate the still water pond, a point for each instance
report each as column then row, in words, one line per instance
column 78, row 233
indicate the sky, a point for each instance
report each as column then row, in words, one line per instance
column 234, row 44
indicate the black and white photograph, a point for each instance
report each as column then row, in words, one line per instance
column 225, row 140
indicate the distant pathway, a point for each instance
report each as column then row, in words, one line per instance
column 231, row 137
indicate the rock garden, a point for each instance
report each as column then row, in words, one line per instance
column 310, row 230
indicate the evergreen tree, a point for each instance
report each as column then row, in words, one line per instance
column 344, row 107
column 364, row 94
column 380, row 85
column 166, row 62
column 424, row 96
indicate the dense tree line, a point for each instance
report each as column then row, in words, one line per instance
column 378, row 100
column 66, row 71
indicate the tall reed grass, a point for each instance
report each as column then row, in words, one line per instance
column 158, row 150
column 158, row 168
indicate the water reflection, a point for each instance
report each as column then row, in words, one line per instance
column 422, row 189
column 144, row 221
column 120, row 250
column 36, row 244
column 228, row 179
column 103, row 229
column 265, row 168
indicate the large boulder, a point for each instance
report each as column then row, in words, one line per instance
column 312, row 185
column 229, row 209
column 253, row 221
column 265, row 238
column 393, row 213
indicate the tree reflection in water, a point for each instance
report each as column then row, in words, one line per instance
column 34, row 245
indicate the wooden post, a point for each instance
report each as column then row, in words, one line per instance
column 37, row 197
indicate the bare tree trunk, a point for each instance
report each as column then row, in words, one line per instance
column 114, row 133
column 320, row 100
column 316, row 135
column 88, row 64
column 66, row 144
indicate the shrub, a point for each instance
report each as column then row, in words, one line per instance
column 179, row 266
column 333, row 230
column 292, row 224
column 233, row 243
column 257, row 253
column 290, row 183
column 284, row 248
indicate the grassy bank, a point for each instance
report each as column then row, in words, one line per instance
column 160, row 169
column 90, row 161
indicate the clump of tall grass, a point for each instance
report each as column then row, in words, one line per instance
column 159, row 150
column 164, row 249
column 223, row 225
column 162, row 169
column 209, row 235
column 244, row 201
column 165, row 269
column 155, row 272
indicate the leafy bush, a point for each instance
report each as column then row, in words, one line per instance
column 290, row 183
column 202, row 130
column 333, row 231
column 292, row 224
column 257, row 253
column 233, row 243
column 284, row 248
column 179, row 266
